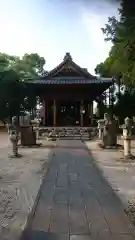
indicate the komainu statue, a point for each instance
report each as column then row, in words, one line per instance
column 109, row 137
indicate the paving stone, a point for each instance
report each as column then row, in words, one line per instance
column 62, row 179
column 103, row 235
column 123, row 237
column 73, row 177
column 115, row 222
column 62, row 182
column 60, row 219
column 76, row 203
column 71, row 167
column 74, row 186
column 41, row 221
column 47, row 197
column 89, row 195
column 61, row 194
column 80, row 237
column 51, row 175
column 96, row 221
column 78, row 221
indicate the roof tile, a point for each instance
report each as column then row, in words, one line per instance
column 71, row 81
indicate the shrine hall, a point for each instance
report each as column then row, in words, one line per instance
column 67, row 93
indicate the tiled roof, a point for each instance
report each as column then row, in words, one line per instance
column 71, row 81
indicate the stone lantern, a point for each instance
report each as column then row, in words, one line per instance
column 101, row 124
column 127, row 137
column 14, row 138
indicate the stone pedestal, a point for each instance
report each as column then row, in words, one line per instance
column 112, row 133
column 127, row 148
column 100, row 132
column 28, row 136
column 37, row 127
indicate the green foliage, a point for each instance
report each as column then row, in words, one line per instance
column 14, row 71
column 108, row 67
column 126, row 99
column 35, row 62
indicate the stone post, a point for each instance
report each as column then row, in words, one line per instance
column 127, row 137
column 37, row 128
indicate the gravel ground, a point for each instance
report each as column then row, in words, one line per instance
column 20, row 180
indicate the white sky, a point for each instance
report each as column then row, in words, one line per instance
column 54, row 27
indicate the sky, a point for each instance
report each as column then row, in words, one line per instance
column 53, row 27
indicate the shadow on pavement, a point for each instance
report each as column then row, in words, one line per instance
column 40, row 235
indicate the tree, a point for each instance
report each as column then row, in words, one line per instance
column 127, row 99
column 121, row 60
column 11, row 93
column 14, row 71
column 35, row 62
column 110, row 29
column 29, row 66
column 122, row 34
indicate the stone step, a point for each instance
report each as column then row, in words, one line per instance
column 69, row 133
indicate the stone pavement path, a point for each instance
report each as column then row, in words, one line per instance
column 76, row 202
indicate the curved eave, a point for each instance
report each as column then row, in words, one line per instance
column 71, row 81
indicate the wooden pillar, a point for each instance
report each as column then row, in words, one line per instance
column 91, row 113
column 88, row 114
column 81, row 113
column 54, row 113
column 46, row 112
column 44, row 119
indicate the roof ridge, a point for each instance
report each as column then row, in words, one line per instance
column 68, row 58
